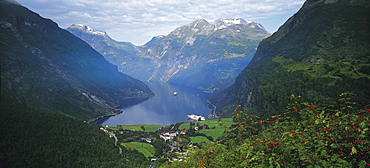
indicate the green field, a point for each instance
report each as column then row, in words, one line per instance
column 214, row 133
column 218, row 124
column 148, row 127
column 143, row 148
column 211, row 123
column 199, row 139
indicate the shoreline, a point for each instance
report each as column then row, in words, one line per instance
column 123, row 104
column 92, row 121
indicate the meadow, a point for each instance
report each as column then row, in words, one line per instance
column 147, row 127
column 144, row 148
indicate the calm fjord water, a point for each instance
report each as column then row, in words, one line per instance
column 164, row 108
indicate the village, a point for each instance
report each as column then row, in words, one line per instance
column 169, row 143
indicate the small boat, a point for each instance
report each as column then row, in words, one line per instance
column 175, row 93
column 196, row 117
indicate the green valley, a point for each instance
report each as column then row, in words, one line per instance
column 297, row 98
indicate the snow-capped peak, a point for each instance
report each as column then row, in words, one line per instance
column 231, row 21
column 160, row 36
column 224, row 23
column 89, row 29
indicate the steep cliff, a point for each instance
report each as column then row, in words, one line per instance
column 318, row 53
column 46, row 67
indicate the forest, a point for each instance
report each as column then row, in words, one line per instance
column 36, row 138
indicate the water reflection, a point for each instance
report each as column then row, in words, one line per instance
column 164, row 108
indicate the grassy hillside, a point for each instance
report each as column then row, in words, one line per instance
column 199, row 139
column 144, row 148
column 216, row 127
column 310, row 55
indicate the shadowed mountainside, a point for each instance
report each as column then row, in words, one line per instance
column 47, row 67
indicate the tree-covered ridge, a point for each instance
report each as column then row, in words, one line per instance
column 47, row 67
column 305, row 135
column 35, row 138
column 311, row 55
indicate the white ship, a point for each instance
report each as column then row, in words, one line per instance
column 196, row 117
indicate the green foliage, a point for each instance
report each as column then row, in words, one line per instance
column 160, row 145
column 310, row 55
column 35, row 138
column 305, row 135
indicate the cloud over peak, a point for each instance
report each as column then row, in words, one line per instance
column 123, row 19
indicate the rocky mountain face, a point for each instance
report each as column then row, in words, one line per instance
column 45, row 67
column 114, row 51
column 319, row 53
column 204, row 55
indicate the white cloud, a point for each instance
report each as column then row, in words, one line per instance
column 138, row 20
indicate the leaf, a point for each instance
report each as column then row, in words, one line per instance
column 361, row 135
column 353, row 151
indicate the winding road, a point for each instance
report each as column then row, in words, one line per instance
column 116, row 141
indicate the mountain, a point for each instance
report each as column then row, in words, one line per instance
column 204, row 55
column 46, row 67
column 50, row 80
column 154, row 40
column 318, row 53
column 114, row 51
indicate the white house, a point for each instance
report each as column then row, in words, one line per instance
column 168, row 135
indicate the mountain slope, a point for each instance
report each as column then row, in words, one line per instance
column 35, row 138
column 47, row 67
column 114, row 51
column 204, row 55
column 320, row 52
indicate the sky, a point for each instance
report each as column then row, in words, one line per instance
column 137, row 21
